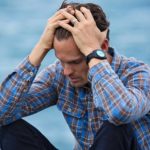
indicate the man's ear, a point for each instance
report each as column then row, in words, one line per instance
column 105, row 45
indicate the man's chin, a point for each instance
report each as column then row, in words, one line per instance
column 77, row 84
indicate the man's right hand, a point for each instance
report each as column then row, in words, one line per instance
column 46, row 40
column 47, row 37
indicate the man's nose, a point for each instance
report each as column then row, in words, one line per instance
column 68, row 70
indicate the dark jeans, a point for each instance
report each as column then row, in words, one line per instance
column 20, row 135
column 111, row 137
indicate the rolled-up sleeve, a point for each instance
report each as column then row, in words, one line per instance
column 22, row 94
column 122, row 99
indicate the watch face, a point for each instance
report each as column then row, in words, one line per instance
column 100, row 53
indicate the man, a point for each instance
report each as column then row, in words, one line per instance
column 104, row 97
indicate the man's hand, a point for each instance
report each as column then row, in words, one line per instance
column 48, row 35
column 46, row 41
column 85, row 32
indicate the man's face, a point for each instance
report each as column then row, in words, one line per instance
column 73, row 61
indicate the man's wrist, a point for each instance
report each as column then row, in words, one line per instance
column 37, row 55
column 97, row 54
column 89, row 50
column 42, row 46
column 95, row 61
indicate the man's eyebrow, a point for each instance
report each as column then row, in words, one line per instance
column 75, row 60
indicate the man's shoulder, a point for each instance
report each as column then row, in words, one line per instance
column 56, row 66
column 53, row 72
column 133, row 65
column 133, row 62
column 123, row 63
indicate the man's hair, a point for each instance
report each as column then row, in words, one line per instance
column 98, row 15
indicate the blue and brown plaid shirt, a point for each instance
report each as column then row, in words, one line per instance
column 119, row 93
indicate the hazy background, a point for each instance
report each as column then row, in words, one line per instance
column 22, row 23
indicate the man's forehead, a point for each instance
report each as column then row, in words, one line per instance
column 64, row 43
column 63, row 39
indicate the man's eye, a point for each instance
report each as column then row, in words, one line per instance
column 72, row 62
column 76, row 62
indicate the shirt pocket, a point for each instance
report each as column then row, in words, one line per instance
column 71, row 109
column 73, row 114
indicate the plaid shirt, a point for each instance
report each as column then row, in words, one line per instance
column 119, row 93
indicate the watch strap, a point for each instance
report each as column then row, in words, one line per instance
column 95, row 55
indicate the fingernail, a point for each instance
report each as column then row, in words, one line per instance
column 59, row 22
column 72, row 12
column 81, row 8
column 69, row 6
column 62, row 10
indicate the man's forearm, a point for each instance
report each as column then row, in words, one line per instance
column 12, row 91
column 37, row 55
column 46, row 41
column 120, row 102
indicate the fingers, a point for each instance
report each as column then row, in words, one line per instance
column 59, row 12
column 79, row 15
column 70, row 10
column 57, row 24
column 77, row 18
column 65, row 25
column 57, row 18
column 71, row 14
column 68, row 15
column 60, row 16
column 74, row 16
column 87, row 13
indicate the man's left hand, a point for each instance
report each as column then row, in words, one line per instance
column 85, row 32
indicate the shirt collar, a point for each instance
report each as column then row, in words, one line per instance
column 116, row 62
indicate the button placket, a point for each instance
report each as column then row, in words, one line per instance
column 31, row 73
column 25, row 90
column 69, row 109
column 90, row 119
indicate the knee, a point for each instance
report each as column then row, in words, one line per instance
column 109, row 125
column 111, row 129
column 118, row 137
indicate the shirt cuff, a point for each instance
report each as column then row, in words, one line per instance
column 26, row 70
column 100, row 70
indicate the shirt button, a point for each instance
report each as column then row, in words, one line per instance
column 31, row 73
column 69, row 109
column 25, row 90
column 90, row 119
column 15, row 97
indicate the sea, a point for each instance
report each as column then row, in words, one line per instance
column 22, row 23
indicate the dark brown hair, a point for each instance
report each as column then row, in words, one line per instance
column 98, row 15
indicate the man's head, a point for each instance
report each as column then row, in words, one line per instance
column 98, row 15
column 73, row 61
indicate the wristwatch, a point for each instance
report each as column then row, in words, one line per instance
column 99, row 54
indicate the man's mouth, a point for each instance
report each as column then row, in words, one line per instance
column 74, row 80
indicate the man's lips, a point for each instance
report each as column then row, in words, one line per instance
column 74, row 79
